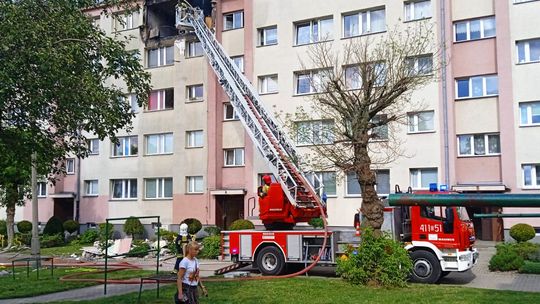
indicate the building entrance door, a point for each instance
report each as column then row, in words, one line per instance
column 63, row 208
column 229, row 208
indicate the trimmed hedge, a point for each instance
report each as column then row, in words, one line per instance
column 54, row 226
column 194, row 225
column 241, row 225
column 522, row 232
column 24, row 226
column 133, row 227
column 211, row 247
column 212, row 230
column 71, row 226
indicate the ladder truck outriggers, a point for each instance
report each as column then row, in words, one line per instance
column 438, row 244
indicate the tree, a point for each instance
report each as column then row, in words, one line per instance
column 133, row 227
column 361, row 92
column 56, row 74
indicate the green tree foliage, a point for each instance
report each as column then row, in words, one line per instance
column 56, row 69
column 133, row 227
column 522, row 232
column 24, row 226
column 378, row 261
column 53, row 226
column 241, row 225
column 316, row 222
column 194, row 225
column 71, row 226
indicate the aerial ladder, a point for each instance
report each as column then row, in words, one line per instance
column 292, row 199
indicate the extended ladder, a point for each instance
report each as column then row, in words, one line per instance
column 265, row 133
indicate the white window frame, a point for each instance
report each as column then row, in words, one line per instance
column 129, row 21
column 161, row 100
column 190, row 93
column 161, row 140
column 414, row 119
column 527, row 106
column 264, row 81
column 234, row 152
column 534, row 176
column 235, row 114
column 93, row 144
column 191, row 139
column 314, row 77
column 127, row 184
column 320, row 127
column 263, row 35
column 41, row 189
column 89, row 185
column 468, row 25
column 527, row 51
column 125, row 141
column 319, row 174
column 162, row 58
column 159, row 188
column 194, row 49
column 471, row 139
column 191, row 183
column 312, row 23
column 412, row 8
column 419, row 177
column 70, row 160
column 239, row 62
column 417, row 69
column 235, row 15
column 361, row 30
column 484, row 87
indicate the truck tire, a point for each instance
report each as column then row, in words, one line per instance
column 270, row 261
column 426, row 267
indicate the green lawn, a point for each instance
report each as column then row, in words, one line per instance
column 330, row 290
column 66, row 250
column 22, row 286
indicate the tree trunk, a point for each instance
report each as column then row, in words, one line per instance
column 10, row 220
column 372, row 207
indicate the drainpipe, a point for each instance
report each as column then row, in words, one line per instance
column 444, row 95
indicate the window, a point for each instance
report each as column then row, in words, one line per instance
column 379, row 132
column 528, row 51
column 421, row 65
column 124, row 188
column 474, row 29
column 328, row 180
column 41, row 189
column 194, row 184
column 127, row 146
column 70, row 166
column 314, row 132
column 91, row 188
column 161, row 100
column 308, row 82
column 239, row 62
column 234, row 157
column 421, row 178
column 421, row 122
column 194, row 49
column 93, row 146
column 531, row 175
column 360, row 23
column 127, row 21
column 158, row 188
column 159, row 144
column 268, row 36
column 133, row 102
column 353, row 80
column 479, row 86
column 382, row 185
column 416, row 10
column 314, row 31
column 479, row 144
column 194, row 139
column 195, row 92
column 160, row 56
column 268, row 84
column 229, row 112
column 233, row 21
column 530, row 113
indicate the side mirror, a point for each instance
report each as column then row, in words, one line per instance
column 448, row 224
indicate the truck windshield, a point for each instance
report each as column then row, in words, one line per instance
column 463, row 215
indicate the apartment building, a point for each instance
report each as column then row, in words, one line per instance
column 188, row 154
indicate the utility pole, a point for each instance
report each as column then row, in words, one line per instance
column 35, row 233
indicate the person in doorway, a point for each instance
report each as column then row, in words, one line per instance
column 263, row 190
column 180, row 242
column 189, row 276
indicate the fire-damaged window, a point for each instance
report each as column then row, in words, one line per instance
column 161, row 19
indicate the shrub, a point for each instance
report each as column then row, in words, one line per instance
column 53, row 226
column 140, row 249
column 24, row 238
column 530, row 267
column 526, row 250
column 54, row 240
column 316, row 222
column 377, row 261
column 103, row 236
column 3, row 227
column 71, row 226
column 506, row 258
column 24, row 226
column 133, row 227
column 522, row 232
column 167, row 235
column 89, row 236
column 194, row 225
column 211, row 247
column 241, row 225
column 212, row 230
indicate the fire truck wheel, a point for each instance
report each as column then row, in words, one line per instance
column 426, row 267
column 270, row 261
